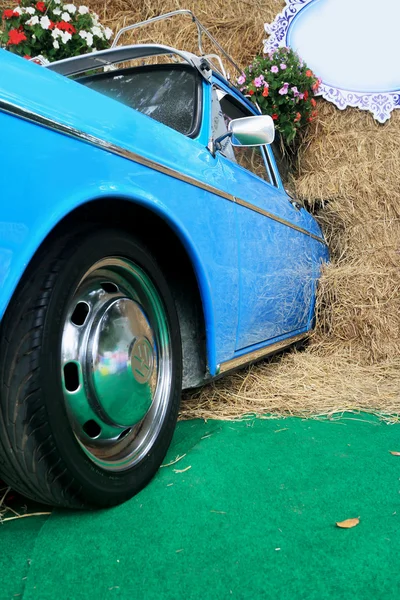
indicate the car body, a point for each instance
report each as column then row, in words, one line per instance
column 256, row 262
column 241, row 257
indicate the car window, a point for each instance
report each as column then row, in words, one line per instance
column 252, row 158
column 167, row 93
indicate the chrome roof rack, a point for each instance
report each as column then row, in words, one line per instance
column 204, row 63
column 201, row 30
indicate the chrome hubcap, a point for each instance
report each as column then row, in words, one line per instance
column 116, row 363
column 121, row 362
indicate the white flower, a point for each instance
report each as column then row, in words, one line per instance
column 34, row 37
column 18, row 10
column 70, row 8
column 97, row 31
column 65, row 16
column 83, row 10
column 108, row 32
column 30, row 10
column 56, row 33
column 89, row 40
column 33, row 21
column 56, row 45
column 65, row 37
column 83, row 34
column 57, row 11
column 45, row 22
column 95, row 18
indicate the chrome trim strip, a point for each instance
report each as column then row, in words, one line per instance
column 265, row 213
column 244, row 359
column 33, row 117
column 12, row 109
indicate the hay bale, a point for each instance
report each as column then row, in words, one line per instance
column 349, row 174
column 238, row 26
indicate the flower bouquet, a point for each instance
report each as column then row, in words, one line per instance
column 52, row 30
column 282, row 86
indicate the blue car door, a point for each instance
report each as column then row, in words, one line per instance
column 275, row 261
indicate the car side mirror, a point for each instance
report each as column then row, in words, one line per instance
column 252, row 131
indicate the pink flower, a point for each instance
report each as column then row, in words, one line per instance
column 241, row 79
column 284, row 89
column 258, row 81
column 295, row 91
column 316, row 85
column 283, row 66
column 301, row 96
column 274, row 69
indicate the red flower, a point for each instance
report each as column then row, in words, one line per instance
column 313, row 102
column 306, row 95
column 265, row 92
column 275, row 117
column 27, row 57
column 314, row 113
column 52, row 24
column 41, row 6
column 64, row 26
column 9, row 14
column 251, row 92
column 15, row 37
column 298, row 117
column 309, row 73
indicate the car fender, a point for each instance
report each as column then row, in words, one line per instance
column 19, row 242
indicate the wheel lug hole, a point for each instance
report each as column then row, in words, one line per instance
column 80, row 314
column 92, row 429
column 109, row 287
column 124, row 433
column 71, row 377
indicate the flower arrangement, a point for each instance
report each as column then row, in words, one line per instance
column 283, row 87
column 52, row 30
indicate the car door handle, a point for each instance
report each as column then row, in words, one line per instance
column 293, row 201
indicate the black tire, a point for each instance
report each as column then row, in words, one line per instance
column 40, row 456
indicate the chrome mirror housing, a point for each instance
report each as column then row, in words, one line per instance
column 252, row 131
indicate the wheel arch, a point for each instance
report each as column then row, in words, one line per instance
column 170, row 247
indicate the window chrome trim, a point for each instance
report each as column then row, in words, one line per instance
column 104, row 58
column 33, row 117
column 198, row 93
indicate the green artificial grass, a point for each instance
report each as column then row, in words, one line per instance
column 253, row 517
column 17, row 542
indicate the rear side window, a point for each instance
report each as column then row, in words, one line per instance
column 170, row 94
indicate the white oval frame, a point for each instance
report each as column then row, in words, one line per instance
column 382, row 101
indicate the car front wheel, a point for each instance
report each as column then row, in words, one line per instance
column 90, row 372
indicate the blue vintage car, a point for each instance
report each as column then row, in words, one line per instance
column 147, row 245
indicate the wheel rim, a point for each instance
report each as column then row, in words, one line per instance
column 116, row 363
